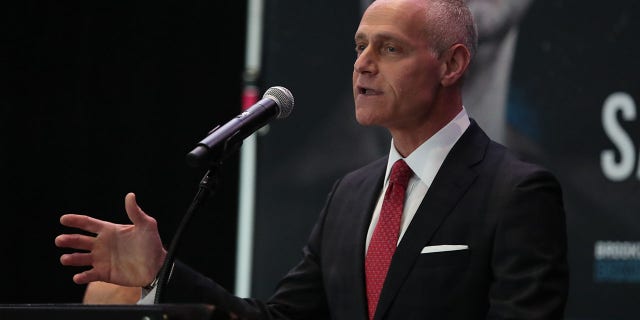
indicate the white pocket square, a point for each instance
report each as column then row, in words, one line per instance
column 444, row 247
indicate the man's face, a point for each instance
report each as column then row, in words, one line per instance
column 396, row 75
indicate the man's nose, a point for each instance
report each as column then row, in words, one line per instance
column 365, row 63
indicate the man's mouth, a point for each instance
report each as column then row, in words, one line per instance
column 367, row 91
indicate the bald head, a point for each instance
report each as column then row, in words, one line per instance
column 446, row 22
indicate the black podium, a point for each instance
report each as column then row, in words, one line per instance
column 109, row 312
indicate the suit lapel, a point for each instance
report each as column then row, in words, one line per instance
column 368, row 191
column 451, row 182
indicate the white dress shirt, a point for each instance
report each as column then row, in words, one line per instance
column 425, row 162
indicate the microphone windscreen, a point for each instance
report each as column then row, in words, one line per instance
column 283, row 98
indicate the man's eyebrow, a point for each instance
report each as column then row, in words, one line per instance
column 379, row 36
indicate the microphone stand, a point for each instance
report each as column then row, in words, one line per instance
column 200, row 156
column 206, row 189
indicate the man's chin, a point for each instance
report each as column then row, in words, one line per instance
column 370, row 115
column 361, row 120
column 365, row 121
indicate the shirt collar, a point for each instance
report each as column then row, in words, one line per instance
column 426, row 160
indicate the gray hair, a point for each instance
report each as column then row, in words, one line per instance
column 450, row 22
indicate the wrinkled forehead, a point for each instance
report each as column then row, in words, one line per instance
column 404, row 17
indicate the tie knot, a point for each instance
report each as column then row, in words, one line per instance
column 400, row 173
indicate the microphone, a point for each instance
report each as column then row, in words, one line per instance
column 277, row 102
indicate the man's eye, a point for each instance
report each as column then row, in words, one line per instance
column 391, row 49
column 360, row 47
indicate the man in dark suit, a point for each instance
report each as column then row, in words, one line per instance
column 479, row 234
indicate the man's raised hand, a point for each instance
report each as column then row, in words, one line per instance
column 128, row 255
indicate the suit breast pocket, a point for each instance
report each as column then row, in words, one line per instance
column 455, row 258
column 434, row 283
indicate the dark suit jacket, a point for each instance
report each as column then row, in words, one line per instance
column 508, row 212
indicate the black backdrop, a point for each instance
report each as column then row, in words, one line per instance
column 102, row 98
column 563, row 74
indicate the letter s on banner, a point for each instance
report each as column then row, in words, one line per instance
column 622, row 169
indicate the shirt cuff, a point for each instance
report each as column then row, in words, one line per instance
column 149, row 292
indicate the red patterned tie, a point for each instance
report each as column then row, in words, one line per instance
column 385, row 235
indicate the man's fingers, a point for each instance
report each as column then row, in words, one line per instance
column 76, row 259
column 87, row 276
column 75, row 241
column 82, row 222
column 136, row 215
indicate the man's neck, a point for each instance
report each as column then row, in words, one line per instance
column 408, row 140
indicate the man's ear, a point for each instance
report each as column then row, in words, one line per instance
column 454, row 64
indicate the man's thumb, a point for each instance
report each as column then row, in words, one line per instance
column 136, row 215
